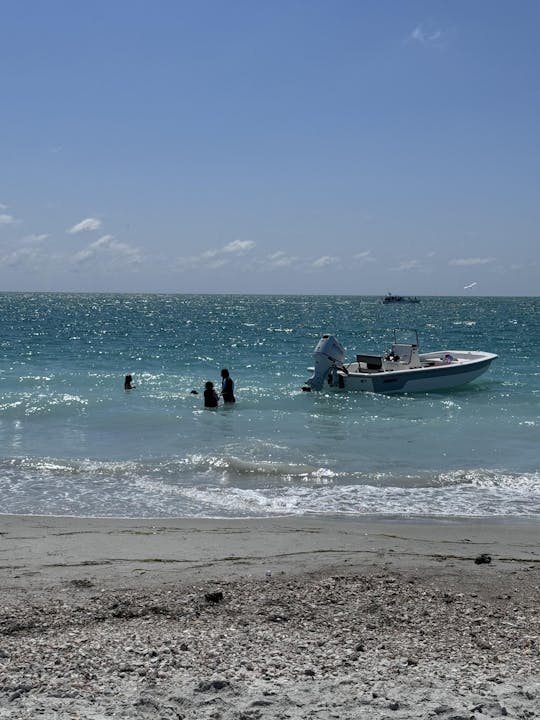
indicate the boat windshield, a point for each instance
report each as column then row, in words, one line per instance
column 405, row 336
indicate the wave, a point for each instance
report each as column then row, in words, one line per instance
column 232, row 468
column 209, row 486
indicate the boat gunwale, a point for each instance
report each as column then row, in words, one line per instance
column 452, row 368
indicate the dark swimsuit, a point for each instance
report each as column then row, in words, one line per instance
column 210, row 398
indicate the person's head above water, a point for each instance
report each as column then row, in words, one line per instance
column 224, row 373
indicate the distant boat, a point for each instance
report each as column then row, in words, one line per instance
column 389, row 298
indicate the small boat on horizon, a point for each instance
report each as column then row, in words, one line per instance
column 389, row 298
column 400, row 369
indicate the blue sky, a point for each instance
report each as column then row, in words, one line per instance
column 281, row 147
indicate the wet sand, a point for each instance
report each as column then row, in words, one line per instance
column 275, row 618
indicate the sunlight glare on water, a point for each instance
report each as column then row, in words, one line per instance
column 73, row 442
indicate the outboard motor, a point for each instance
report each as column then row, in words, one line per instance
column 328, row 354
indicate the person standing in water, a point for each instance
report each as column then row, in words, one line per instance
column 210, row 395
column 128, row 383
column 227, row 387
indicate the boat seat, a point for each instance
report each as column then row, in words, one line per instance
column 373, row 362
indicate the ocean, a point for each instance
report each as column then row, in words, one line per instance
column 73, row 442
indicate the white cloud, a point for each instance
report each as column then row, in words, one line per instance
column 6, row 219
column 280, row 259
column 216, row 263
column 27, row 258
column 274, row 261
column 208, row 260
column 207, row 255
column 103, row 241
column 428, row 35
column 324, row 262
column 34, row 238
column 472, row 261
column 114, row 252
column 239, row 246
column 362, row 258
column 406, row 265
column 215, row 258
column 84, row 225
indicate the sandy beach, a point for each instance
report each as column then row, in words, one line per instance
column 277, row 618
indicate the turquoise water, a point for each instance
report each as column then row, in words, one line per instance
column 72, row 442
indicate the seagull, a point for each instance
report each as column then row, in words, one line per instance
column 469, row 286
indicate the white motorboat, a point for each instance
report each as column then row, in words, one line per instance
column 401, row 369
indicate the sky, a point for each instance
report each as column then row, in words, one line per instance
column 277, row 146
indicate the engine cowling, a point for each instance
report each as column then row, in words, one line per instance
column 329, row 353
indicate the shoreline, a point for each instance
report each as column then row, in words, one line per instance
column 300, row 618
column 46, row 550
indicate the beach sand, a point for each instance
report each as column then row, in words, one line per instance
column 278, row 618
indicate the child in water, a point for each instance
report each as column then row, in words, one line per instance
column 210, row 395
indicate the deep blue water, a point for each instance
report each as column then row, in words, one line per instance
column 73, row 442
